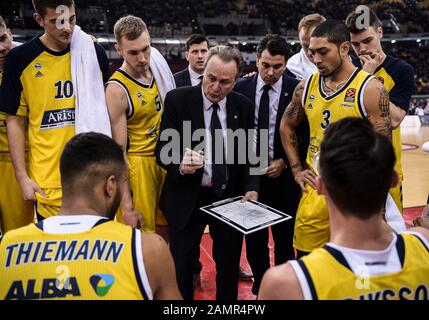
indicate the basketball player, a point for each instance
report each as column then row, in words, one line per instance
column 363, row 260
column 82, row 253
column 37, row 87
column 135, row 109
column 396, row 75
column 14, row 211
column 337, row 90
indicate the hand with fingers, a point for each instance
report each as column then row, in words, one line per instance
column 192, row 161
column 133, row 218
column 29, row 189
column 304, row 177
column 276, row 168
column 370, row 64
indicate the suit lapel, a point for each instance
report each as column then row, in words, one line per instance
column 187, row 77
column 197, row 109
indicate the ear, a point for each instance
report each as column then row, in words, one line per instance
column 187, row 56
column 380, row 32
column 395, row 179
column 345, row 48
column 320, row 186
column 118, row 49
column 257, row 61
column 38, row 19
column 110, row 186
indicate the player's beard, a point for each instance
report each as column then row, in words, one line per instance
column 336, row 69
column 111, row 212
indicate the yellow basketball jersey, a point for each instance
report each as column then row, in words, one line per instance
column 104, row 262
column 322, row 110
column 329, row 276
column 37, row 84
column 144, row 113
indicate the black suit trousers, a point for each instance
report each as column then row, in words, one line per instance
column 227, row 243
column 281, row 193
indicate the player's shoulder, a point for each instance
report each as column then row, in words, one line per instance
column 397, row 67
column 21, row 56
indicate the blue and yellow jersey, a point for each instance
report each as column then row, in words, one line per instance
column 4, row 146
column 37, row 84
column 398, row 79
column 321, row 109
column 334, row 274
column 144, row 112
column 103, row 261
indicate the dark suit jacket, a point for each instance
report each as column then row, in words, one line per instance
column 180, row 192
column 247, row 87
column 182, row 78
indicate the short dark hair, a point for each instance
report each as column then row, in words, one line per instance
column 356, row 164
column 334, row 30
column 355, row 28
column 87, row 158
column 195, row 38
column 226, row 54
column 275, row 44
column 41, row 5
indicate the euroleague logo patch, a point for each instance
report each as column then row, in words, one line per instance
column 350, row 95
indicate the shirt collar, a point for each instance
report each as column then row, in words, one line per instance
column 207, row 103
column 193, row 74
column 277, row 86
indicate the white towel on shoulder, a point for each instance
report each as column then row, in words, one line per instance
column 161, row 73
column 90, row 103
column 300, row 65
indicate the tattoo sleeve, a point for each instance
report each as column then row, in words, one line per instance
column 293, row 116
column 383, row 124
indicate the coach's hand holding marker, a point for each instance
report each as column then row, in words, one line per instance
column 192, row 161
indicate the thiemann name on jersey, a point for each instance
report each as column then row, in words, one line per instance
column 63, row 250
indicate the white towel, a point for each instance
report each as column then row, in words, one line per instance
column 161, row 73
column 90, row 103
column 393, row 217
column 301, row 66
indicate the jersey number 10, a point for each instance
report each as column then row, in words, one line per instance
column 64, row 89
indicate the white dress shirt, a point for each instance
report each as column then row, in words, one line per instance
column 208, row 110
column 274, row 95
column 195, row 77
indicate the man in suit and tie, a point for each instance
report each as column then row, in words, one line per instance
column 196, row 177
column 197, row 47
column 272, row 90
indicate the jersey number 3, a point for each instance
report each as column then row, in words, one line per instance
column 326, row 119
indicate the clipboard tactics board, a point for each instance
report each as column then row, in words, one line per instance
column 246, row 217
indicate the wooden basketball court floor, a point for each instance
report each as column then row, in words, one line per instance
column 415, row 163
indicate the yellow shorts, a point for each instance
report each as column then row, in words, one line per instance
column 15, row 212
column 48, row 207
column 146, row 181
column 312, row 222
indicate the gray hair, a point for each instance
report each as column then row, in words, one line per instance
column 226, row 54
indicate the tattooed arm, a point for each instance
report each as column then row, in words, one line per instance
column 292, row 116
column 377, row 105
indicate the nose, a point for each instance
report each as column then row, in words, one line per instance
column 200, row 55
column 316, row 59
column 216, row 86
column 270, row 71
column 142, row 58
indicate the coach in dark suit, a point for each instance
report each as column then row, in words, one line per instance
column 192, row 180
column 197, row 47
column 272, row 90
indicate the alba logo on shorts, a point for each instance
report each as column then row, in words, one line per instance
column 101, row 283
